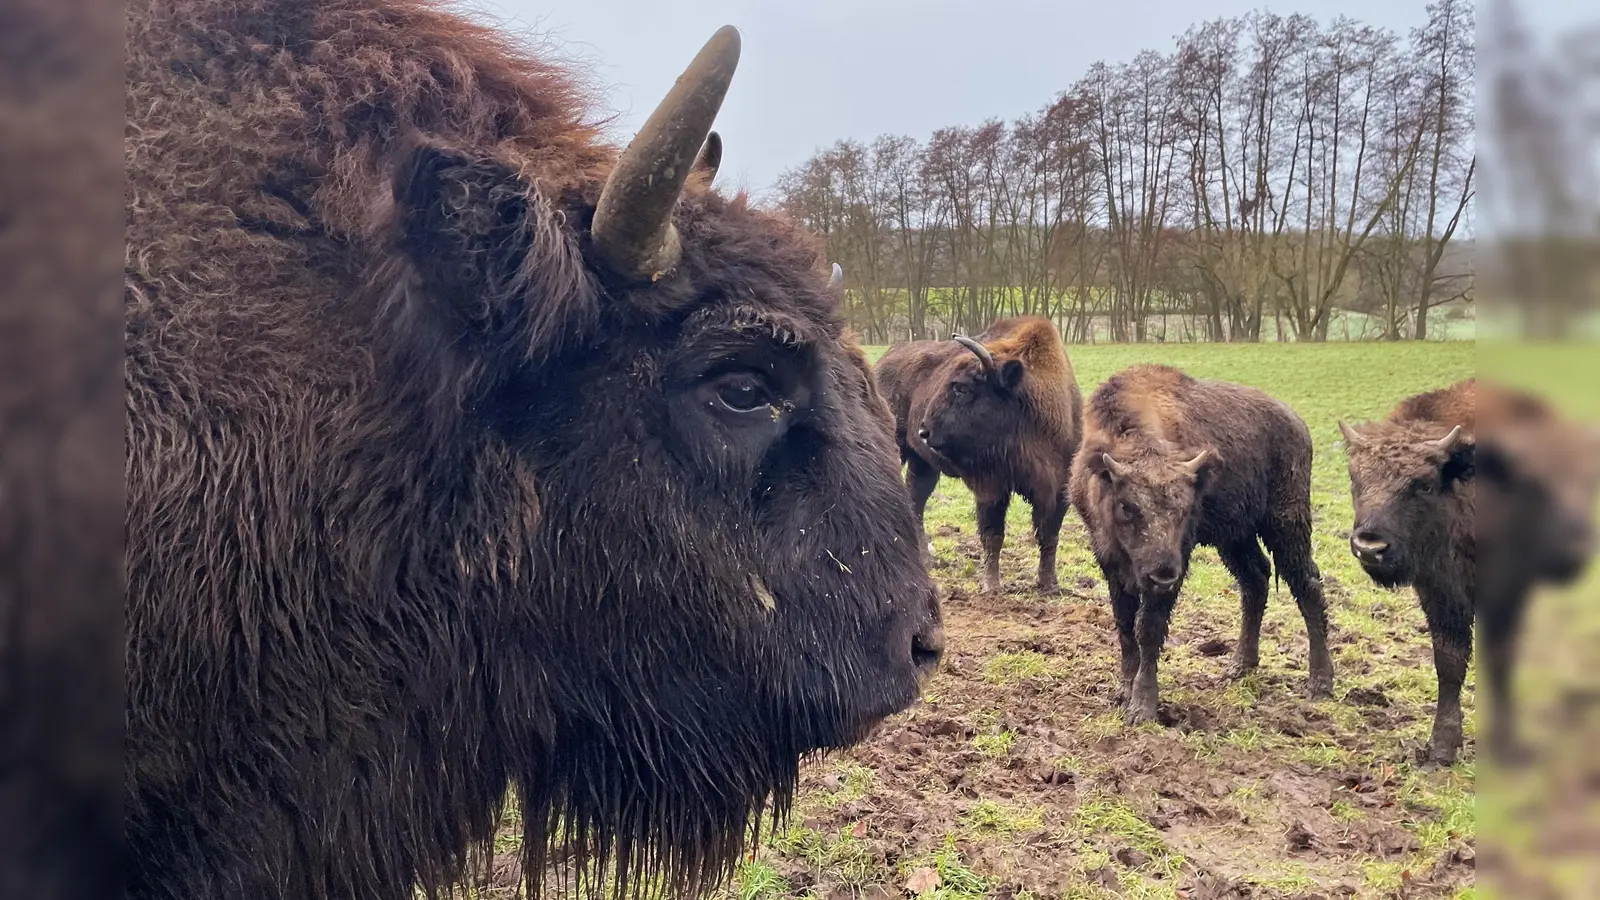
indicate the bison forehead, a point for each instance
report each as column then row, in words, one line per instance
column 965, row 366
column 1397, row 453
column 1171, row 494
column 748, row 320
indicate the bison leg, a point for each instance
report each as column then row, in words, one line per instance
column 1451, row 628
column 1291, row 550
column 921, row 479
column 1047, row 518
column 1502, row 623
column 1125, row 607
column 1151, row 629
column 992, row 534
column 1249, row 567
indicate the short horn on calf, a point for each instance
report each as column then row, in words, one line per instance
column 1352, row 438
column 1449, row 441
column 633, row 232
column 1115, row 468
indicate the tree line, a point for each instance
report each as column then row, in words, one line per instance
column 1271, row 177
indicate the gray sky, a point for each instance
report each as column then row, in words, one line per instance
column 815, row 71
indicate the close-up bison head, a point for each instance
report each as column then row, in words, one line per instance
column 1405, row 481
column 558, row 475
column 971, row 401
column 1152, row 495
column 728, row 564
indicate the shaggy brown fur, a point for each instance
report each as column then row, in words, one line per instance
column 1169, row 462
column 425, row 504
column 1012, row 431
column 1473, row 526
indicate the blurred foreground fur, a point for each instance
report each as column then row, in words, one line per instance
column 60, row 449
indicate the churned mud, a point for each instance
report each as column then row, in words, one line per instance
column 1015, row 777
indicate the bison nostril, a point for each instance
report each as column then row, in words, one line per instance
column 1165, row 575
column 927, row 648
column 1368, row 543
column 923, row 433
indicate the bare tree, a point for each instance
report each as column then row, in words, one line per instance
column 1269, row 172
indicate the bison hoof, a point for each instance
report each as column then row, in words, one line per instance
column 1433, row 756
column 991, row 588
column 1049, row 590
column 1140, row 713
column 1319, row 687
column 1239, row 669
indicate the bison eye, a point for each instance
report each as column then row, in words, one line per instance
column 1424, row 487
column 1126, row 509
column 743, row 393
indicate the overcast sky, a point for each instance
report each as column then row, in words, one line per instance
column 815, row 71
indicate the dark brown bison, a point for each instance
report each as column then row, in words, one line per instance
column 1003, row 413
column 1473, row 494
column 466, row 456
column 1168, row 462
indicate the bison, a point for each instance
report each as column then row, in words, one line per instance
column 1169, row 461
column 1003, row 413
column 1472, row 494
column 469, row 457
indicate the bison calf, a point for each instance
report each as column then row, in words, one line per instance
column 1461, row 478
column 1169, row 462
column 1003, row 413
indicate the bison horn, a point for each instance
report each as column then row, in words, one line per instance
column 1352, row 438
column 633, row 232
column 979, row 349
column 1193, row 465
column 1449, row 441
column 837, row 278
column 1116, row 468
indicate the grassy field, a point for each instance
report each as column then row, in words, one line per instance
column 1449, row 322
column 1016, row 777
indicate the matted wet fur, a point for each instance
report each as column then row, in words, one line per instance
column 1473, row 519
column 1169, row 462
column 426, row 505
column 1009, row 425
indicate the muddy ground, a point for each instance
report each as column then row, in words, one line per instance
column 1016, row 777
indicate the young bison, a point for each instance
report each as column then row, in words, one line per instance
column 1169, row 462
column 1460, row 476
column 1003, row 413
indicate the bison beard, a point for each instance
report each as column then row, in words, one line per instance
column 466, row 457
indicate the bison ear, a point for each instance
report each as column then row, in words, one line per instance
column 464, row 223
column 1461, row 464
column 1204, row 467
column 1011, row 372
column 710, row 158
